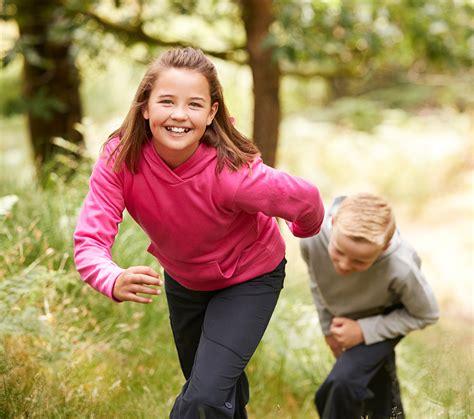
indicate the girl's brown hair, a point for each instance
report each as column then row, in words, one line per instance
column 233, row 148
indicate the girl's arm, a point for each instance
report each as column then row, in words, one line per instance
column 97, row 227
column 278, row 194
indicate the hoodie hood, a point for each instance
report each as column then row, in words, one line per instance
column 203, row 157
column 394, row 243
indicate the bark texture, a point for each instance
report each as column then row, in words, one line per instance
column 258, row 16
column 50, row 84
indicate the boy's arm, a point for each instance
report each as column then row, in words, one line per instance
column 420, row 309
column 325, row 317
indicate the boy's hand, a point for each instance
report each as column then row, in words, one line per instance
column 334, row 345
column 134, row 280
column 346, row 332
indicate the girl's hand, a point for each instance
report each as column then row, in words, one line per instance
column 346, row 332
column 134, row 280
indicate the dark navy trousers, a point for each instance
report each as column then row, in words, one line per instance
column 216, row 333
column 362, row 383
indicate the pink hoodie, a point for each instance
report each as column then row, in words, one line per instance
column 207, row 231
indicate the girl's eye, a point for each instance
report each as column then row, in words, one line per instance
column 195, row 105
column 166, row 101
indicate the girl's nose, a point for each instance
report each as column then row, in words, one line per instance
column 179, row 114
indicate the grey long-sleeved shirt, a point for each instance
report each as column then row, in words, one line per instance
column 394, row 280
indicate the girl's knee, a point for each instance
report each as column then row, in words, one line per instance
column 208, row 394
column 205, row 405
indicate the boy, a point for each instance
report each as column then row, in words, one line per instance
column 369, row 292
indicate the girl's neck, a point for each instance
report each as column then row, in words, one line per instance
column 173, row 158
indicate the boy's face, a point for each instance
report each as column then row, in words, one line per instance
column 348, row 255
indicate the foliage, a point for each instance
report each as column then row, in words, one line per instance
column 353, row 46
column 58, row 335
column 365, row 112
column 72, row 353
column 9, row 103
column 66, row 351
column 31, row 48
column 56, row 353
column 372, row 41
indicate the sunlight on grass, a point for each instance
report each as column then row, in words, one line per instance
column 66, row 351
column 422, row 165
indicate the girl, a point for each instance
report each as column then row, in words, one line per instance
column 199, row 190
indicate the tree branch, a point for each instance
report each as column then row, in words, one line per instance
column 135, row 33
column 320, row 71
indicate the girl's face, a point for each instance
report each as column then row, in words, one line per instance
column 179, row 110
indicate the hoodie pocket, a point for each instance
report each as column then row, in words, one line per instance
column 212, row 270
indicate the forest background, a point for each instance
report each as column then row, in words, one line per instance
column 351, row 95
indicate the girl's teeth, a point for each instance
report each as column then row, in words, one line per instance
column 177, row 130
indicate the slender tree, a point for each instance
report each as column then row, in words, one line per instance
column 353, row 46
column 257, row 16
column 51, row 84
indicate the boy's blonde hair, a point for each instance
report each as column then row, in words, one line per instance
column 364, row 216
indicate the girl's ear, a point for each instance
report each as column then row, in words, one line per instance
column 212, row 113
column 145, row 113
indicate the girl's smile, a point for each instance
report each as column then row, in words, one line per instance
column 178, row 110
column 178, row 130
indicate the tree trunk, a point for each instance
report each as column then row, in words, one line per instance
column 50, row 86
column 257, row 16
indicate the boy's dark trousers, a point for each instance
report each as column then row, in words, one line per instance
column 216, row 334
column 362, row 383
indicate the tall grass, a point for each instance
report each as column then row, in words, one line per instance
column 66, row 351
